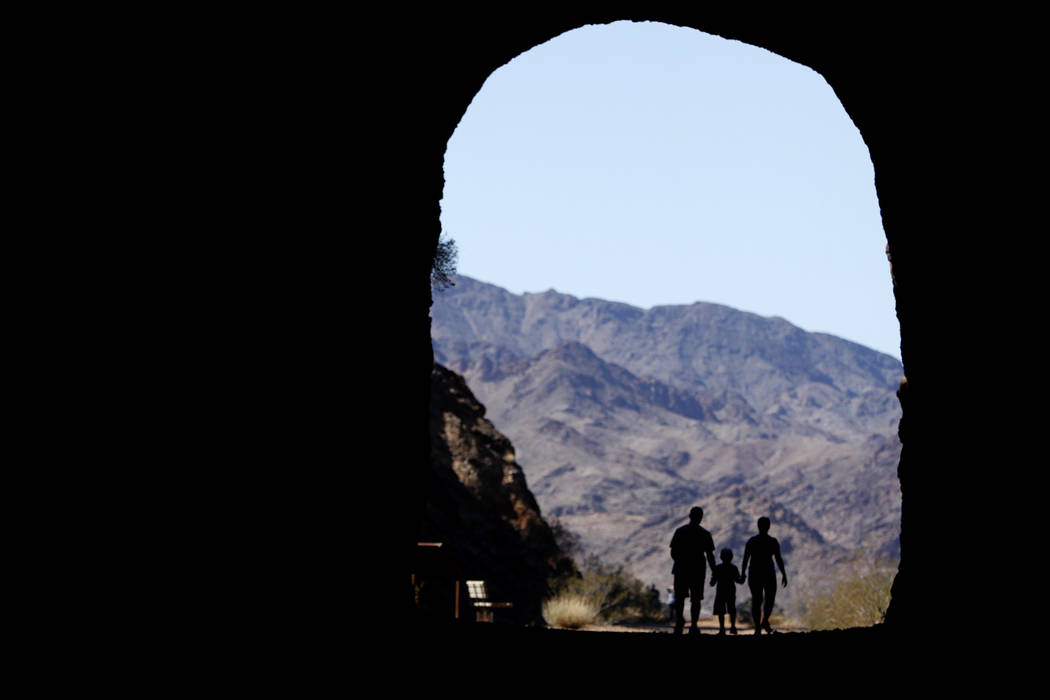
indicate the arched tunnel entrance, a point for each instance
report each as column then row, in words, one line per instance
column 805, row 232
column 911, row 131
column 273, row 434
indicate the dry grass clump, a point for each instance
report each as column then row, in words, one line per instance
column 570, row 611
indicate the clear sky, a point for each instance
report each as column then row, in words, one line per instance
column 651, row 164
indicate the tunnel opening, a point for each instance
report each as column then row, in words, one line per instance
column 583, row 376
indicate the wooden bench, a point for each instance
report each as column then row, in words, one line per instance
column 479, row 598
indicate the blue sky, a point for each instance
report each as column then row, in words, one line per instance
column 650, row 164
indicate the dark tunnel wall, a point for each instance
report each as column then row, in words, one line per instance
column 315, row 204
column 890, row 78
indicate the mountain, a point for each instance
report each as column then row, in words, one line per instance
column 625, row 417
column 481, row 510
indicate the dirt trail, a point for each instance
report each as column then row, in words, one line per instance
column 706, row 626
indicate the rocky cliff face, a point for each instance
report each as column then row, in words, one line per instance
column 624, row 418
column 481, row 509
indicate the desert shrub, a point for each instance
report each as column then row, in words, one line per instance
column 570, row 610
column 616, row 594
column 443, row 267
column 858, row 595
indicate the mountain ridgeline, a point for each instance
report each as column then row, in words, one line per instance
column 623, row 418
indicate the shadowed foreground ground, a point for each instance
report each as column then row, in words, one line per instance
column 498, row 653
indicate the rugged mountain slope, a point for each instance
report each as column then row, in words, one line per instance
column 806, row 378
column 480, row 507
column 624, row 418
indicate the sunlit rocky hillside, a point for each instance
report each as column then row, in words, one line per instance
column 623, row 418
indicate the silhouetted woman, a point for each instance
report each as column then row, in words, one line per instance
column 762, row 550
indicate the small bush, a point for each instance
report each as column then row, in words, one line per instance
column 570, row 610
column 616, row 595
column 858, row 595
column 443, row 267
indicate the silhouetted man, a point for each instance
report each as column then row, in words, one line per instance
column 691, row 549
column 761, row 550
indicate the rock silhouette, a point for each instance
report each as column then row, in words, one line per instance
column 481, row 509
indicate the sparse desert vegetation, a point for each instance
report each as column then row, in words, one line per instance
column 570, row 610
column 857, row 595
column 601, row 593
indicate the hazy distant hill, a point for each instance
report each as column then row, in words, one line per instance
column 623, row 418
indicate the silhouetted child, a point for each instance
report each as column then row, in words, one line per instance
column 726, row 576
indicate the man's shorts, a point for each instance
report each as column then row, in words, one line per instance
column 688, row 586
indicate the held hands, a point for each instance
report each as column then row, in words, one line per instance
column 784, row 581
column 742, row 579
